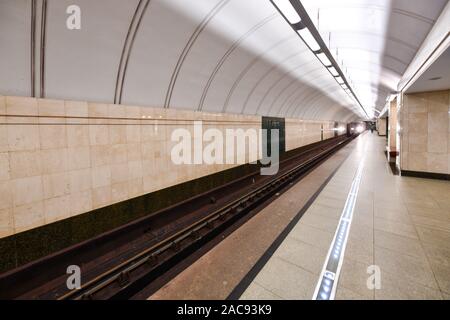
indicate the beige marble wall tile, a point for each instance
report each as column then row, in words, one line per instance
column 135, row 169
column 80, row 202
column 133, row 131
column 448, row 143
column 6, row 196
column 118, row 153
column 98, row 132
column 76, row 109
column 6, row 222
column 28, row 216
column 98, row 110
column 117, row 133
column 134, row 151
column 119, row 192
column 417, row 103
column 3, row 126
column 101, row 176
column 54, row 160
column 432, row 157
column 3, row 135
column 27, row 190
column 24, row 164
column 438, row 102
column 404, row 155
column 101, row 197
column 116, row 111
column 418, row 122
column 77, row 133
column 2, row 105
column 52, row 133
column 56, row 185
column 78, row 158
column 418, row 142
column 135, row 187
column 100, row 155
column 21, row 106
column 438, row 122
column 80, row 180
column 57, row 208
column 437, row 142
column 51, row 108
column 23, row 134
column 437, row 162
column 5, row 171
column 67, row 166
column 417, row 161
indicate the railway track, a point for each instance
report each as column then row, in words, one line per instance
column 126, row 277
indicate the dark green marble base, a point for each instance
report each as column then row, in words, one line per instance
column 24, row 247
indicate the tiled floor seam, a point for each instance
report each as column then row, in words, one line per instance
column 414, row 283
column 296, row 265
column 426, row 256
column 262, row 286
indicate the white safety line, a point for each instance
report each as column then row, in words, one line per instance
column 327, row 283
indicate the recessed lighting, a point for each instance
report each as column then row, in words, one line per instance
column 310, row 41
column 333, row 71
column 435, row 78
column 324, row 59
column 288, row 11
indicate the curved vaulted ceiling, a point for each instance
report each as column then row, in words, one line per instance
column 374, row 40
column 209, row 55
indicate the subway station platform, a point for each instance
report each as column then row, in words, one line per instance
column 225, row 150
column 400, row 228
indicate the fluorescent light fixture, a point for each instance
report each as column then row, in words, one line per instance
column 299, row 19
column 324, row 59
column 306, row 35
column 333, row 71
column 288, row 11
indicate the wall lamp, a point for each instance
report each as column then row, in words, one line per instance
column 295, row 14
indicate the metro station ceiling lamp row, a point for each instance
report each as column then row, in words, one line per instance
column 295, row 14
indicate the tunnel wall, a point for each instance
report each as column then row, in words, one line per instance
column 59, row 159
column 304, row 132
column 425, row 132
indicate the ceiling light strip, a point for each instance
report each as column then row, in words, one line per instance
column 295, row 14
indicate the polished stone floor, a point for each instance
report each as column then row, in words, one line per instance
column 400, row 225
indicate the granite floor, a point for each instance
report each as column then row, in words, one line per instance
column 400, row 226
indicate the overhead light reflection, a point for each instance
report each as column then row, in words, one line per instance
column 302, row 24
column 333, row 71
column 324, row 59
column 288, row 11
column 308, row 38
